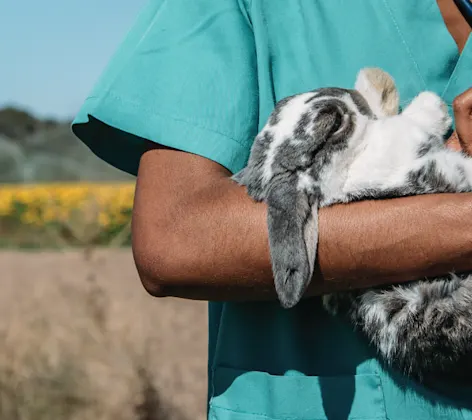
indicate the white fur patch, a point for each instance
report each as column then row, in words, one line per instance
column 310, row 235
column 305, row 182
column 283, row 131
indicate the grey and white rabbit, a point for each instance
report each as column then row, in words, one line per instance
column 334, row 145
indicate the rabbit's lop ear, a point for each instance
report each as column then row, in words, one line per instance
column 379, row 90
column 293, row 236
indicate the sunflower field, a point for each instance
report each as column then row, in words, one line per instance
column 61, row 215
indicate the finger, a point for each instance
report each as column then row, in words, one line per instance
column 462, row 107
column 454, row 143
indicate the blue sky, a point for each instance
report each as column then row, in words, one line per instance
column 52, row 51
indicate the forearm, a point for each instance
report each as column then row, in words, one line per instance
column 220, row 237
column 393, row 241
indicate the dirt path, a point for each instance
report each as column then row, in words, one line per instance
column 73, row 299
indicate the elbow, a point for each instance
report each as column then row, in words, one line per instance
column 156, row 269
column 151, row 275
column 154, row 285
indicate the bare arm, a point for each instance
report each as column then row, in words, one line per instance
column 197, row 235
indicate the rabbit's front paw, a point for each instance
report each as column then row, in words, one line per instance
column 430, row 112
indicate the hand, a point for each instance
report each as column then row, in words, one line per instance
column 461, row 138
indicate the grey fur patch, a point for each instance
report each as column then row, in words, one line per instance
column 289, row 214
column 425, row 330
column 433, row 144
column 425, row 149
column 429, row 179
column 362, row 104
column 380, row 194
column 251, row 175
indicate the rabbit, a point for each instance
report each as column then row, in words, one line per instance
column 336, row 145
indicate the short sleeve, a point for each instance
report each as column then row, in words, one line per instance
column 185, row 77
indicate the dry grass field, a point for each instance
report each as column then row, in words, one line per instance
column 81, row 339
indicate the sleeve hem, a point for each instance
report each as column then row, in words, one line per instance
column 129, row 125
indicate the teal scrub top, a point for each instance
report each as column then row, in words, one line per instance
column 203, row 76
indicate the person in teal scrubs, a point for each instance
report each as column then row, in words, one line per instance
column 200, row 78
